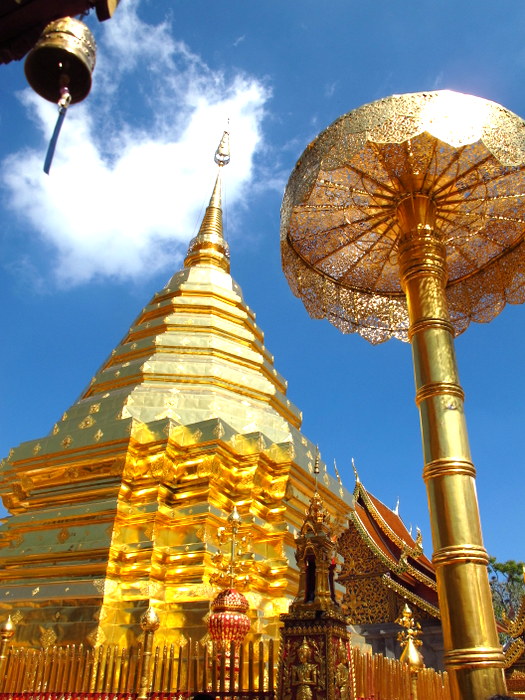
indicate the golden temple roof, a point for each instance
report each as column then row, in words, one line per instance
column 407, row 570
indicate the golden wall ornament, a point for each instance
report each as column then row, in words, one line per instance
column 405, row 218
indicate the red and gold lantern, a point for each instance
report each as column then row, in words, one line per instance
column 228, row 621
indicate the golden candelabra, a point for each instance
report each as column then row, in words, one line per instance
column 405, row 218
column 233, row 568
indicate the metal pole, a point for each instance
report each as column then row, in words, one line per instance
column 473, row 655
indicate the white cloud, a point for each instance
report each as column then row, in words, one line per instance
column 330, row 88
column 134, row 163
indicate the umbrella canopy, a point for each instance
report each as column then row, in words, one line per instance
column 339, row 227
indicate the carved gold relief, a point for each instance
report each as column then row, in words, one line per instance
column 17, row 617
column 94, row 408
column 99, row 584
column 367, row 601
column 304, row 670
column 63, row 535
column 209, row 466
column 47, row 638
column 96, row 637
column 277, row 489
column 66, row 442
column 37, row 448
column 87, row 422
column 218, row 431
column 26, row 482
column 343, row 676
column 157, row 467
column 18, row 539
column 358, row 559
column 9, row 503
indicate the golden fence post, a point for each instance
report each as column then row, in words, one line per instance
column 409, row 640
column 179, row 669
column 149, row 623
column 7, row 631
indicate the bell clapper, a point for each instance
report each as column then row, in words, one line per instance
column 63, row 104
column 59, row 68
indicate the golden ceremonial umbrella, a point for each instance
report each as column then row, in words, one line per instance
column 405, row 218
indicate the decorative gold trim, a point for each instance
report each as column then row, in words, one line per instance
column 414, row 552
column 440, row 467
column 408, row 595
column 460, row 553
column 514, row 652
column 430, row 323
column 474, row 657
column 432, row 389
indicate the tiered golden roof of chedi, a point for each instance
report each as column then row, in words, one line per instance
column 119, row 506
column 384, row 567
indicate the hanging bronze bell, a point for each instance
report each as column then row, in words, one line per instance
column 63, row 57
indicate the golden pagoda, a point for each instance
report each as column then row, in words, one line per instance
column 119, row 507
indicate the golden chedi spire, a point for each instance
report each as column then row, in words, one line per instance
column 209, row 247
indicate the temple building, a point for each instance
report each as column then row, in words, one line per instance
column 383, row 569
column 120, row 505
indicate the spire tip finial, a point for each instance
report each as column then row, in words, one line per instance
column 222, row 154
column 208, row 246
column 339, row 480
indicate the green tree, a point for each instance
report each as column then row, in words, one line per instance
column 508, row 588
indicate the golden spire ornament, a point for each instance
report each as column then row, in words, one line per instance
column 406, row 218
column 208, row 246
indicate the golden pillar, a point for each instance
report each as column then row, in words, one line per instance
column 149, row 623
column 470, row 636
column 406, row 218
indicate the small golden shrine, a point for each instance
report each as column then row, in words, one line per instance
column 119, row 506
column 315, row 642
column 383, row 569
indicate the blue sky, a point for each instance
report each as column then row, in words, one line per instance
column 84, row 249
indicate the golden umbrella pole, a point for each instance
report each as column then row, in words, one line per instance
column 406, row 218
column 473, row 652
